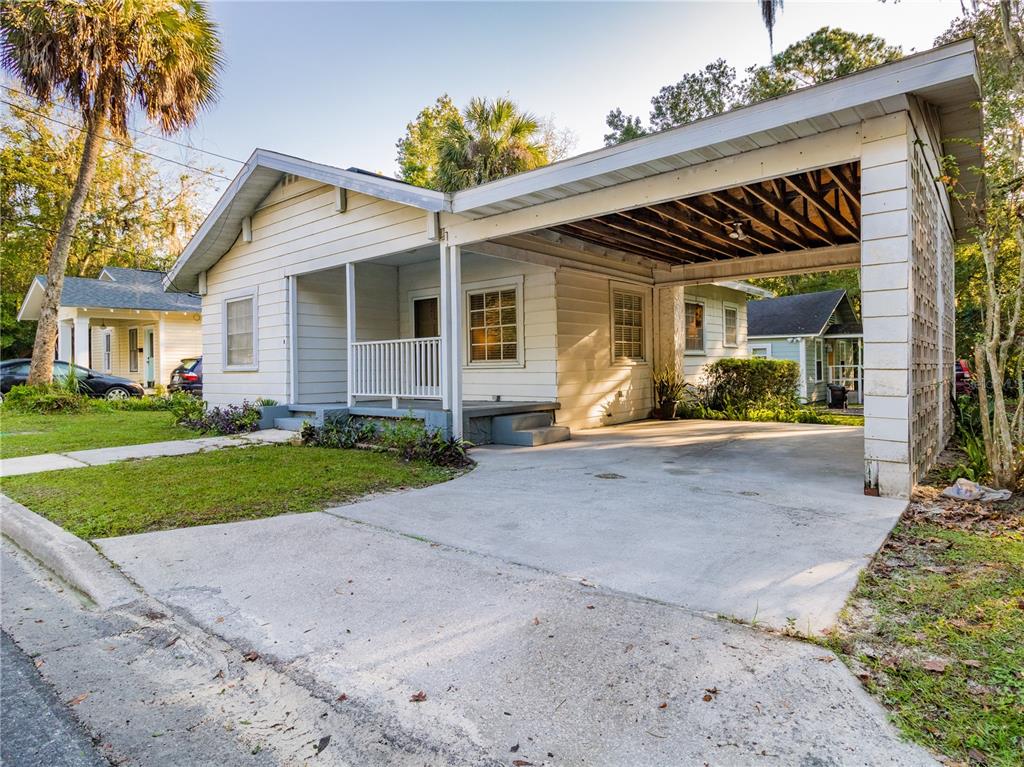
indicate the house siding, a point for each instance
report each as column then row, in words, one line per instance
column 295, row 230
column 593, row 389
column 715, row 299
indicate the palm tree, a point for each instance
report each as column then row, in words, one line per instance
column 489, row 141
column 769, row 12
column 106, row 57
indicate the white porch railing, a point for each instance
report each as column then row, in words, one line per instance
column 400, row 367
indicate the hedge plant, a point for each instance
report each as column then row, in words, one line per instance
column 740, row 383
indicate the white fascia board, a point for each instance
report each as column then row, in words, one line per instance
column 926, row 70
column 33, row 299
column 745, row 287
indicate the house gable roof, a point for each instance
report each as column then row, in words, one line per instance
column 115, row 288
column 805, row 314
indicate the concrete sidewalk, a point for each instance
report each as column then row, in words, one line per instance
column 514, row 663
column 32, row 464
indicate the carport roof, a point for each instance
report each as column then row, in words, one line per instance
column 945, row 77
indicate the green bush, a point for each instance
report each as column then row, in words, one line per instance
column 186, row 408
column 48, row 398
column 743, row 382
column 406, row 436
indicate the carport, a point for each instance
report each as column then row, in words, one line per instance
column 762, row 522
column 845, row 174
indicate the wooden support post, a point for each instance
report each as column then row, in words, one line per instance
column 350, row 330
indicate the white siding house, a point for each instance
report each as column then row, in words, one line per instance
column 561, row 289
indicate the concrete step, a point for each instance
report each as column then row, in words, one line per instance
column 291, row 424
column 528, row 429
column 543, row 435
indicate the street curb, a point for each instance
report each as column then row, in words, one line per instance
column 67, row 555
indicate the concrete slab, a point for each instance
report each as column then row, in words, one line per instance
column 32, row 464
column 514, row 663
column 765, row 522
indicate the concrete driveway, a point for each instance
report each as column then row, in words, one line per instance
column 764, row 522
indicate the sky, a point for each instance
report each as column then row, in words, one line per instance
column 337, row 82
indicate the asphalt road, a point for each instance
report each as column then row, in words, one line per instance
column 36, row 726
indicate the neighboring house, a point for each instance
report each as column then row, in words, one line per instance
column 122, row 323
column 819, row 331
column 561, row 289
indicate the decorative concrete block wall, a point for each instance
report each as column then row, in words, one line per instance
column 906, row 306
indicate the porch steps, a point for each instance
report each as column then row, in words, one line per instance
column 527, row 429
column 291, row 424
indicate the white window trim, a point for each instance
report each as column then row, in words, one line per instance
column 819, row 356
column 502, row 283
column 241, row 295
column 767, row 349
column 726, row 305
column 625, row 287
column 107, row 350
column 703, row 351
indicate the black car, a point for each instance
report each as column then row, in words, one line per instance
column 91, row 382
column 188, row 377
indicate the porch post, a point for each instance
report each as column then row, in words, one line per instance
column 350, row 330
column 455, row 340
column 292, row 340
column 444, row 326
column 64, row 350
column 80, row 354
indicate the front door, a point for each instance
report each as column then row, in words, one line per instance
column 425, row 323
column 149, row 358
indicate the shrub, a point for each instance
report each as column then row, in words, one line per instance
column 742, row 382
column 186, row 408
column 668, row 385
column 266, row 402
column 230, row 419
column 51, row 398
column 406, row 436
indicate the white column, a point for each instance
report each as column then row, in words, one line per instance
column 64, row 350
column 445, row 328
column 886, row 304
column 81, row 350
column 455, row 341
column 350, row 329
column 293, row 341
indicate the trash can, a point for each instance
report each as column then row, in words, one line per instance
column 837, row 396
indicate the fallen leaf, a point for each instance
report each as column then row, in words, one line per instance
column 663, row 705
column 972, row 663
column 936, row 665
column 977, row 756
column 629, row 647
column 708, row 698
column 78, row 699
column 521, row 763
column 249, row 657
column 536, row 621
column 514, row 748
column 590, row 607
column 39, row 662
column 418, row 697
column 322, row 743
column 825, row 658
column 342, row 698
column 220, row 619
column 943, row 570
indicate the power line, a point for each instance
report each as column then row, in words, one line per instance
column 133, row 130
column 115, row 141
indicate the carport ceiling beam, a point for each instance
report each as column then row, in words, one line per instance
column 797, row 218
column 655, row 245
column 817, row 199
column 580, row 232
column 646, row 217
column 717, row 218
column 677, row 215
column 723, row 198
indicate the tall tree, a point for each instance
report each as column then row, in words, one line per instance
column 106, row 57
column 418, row 159
column 823, row 55
column 137, row 214
column 769, row 15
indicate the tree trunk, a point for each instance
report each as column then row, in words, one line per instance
column 41, row 371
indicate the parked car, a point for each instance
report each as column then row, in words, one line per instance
column 965, row 384
column 91, row 382
column 188, row 377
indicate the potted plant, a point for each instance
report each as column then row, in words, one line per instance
column 668, row 390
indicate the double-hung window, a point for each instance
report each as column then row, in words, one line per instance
column 694, row 327
column 107, row 351
column 493, row 325
column 627, row 325
column 240, row 333
column 731, row 323
column 819, row 361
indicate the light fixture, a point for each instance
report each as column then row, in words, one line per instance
column 737, row 232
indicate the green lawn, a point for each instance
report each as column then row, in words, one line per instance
column 206, row 488
column 63, row 432
column 936, row 629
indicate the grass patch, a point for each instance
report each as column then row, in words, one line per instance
column 844, row 419
column 34, row 434
column 935, row 627
column 207, row 488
